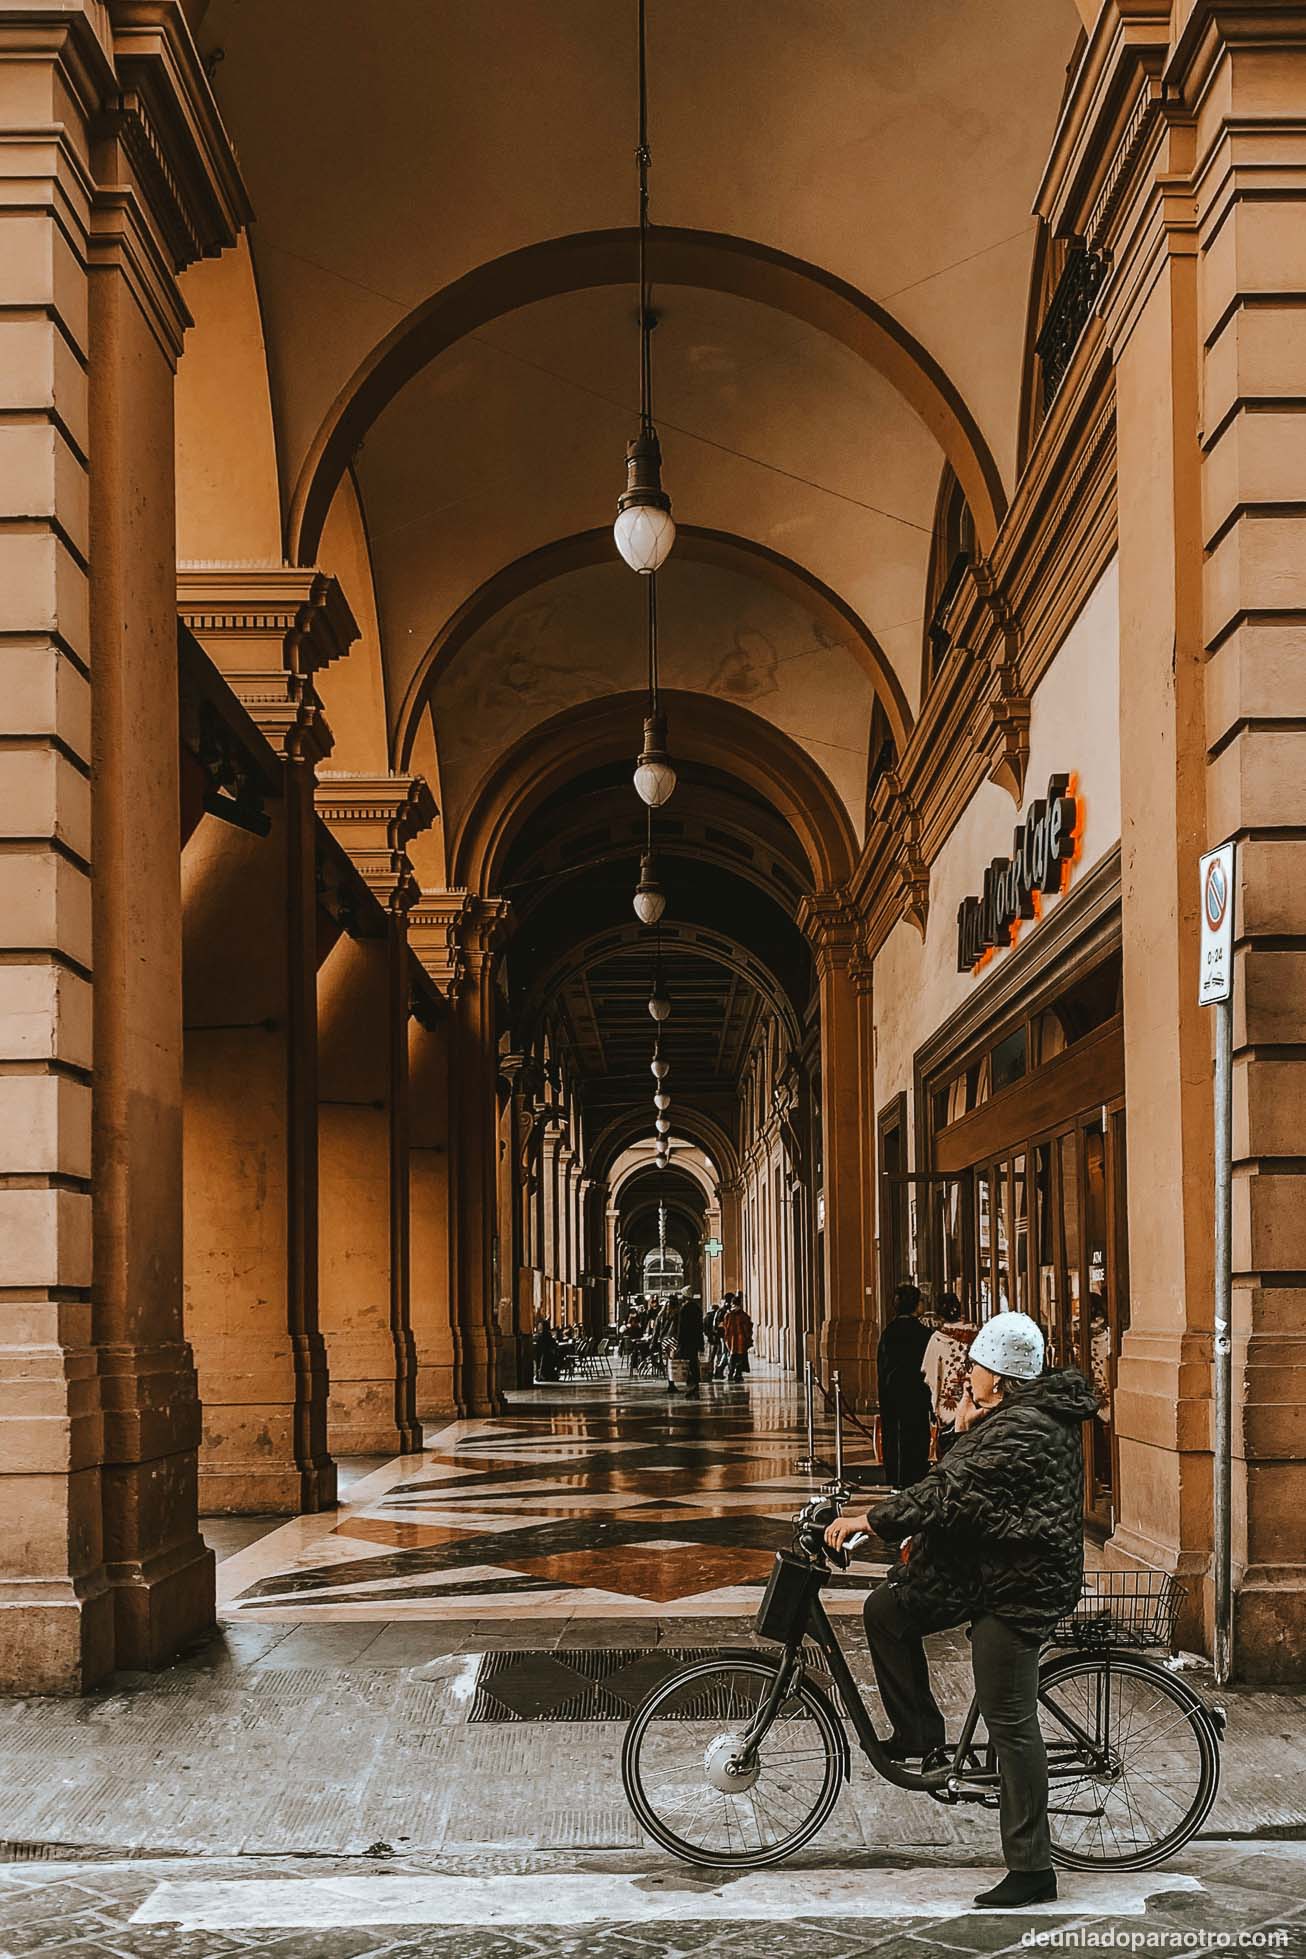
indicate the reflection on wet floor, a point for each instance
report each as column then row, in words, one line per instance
column 597, row 1500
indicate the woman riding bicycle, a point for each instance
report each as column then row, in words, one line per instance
column 997, row 1540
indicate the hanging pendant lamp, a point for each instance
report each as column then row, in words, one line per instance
column 661, row 1100
column 644, row 530
column 650, row 898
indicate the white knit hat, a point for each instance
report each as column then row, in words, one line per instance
column 1011, row 1344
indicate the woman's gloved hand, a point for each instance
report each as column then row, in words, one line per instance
column 852, row 1524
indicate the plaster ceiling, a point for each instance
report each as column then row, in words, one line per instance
column 516, row 438
column 581, row 636
column 390, row 149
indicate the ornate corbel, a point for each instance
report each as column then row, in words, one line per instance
column 270, row 629
column 896, row 810
column 435, row 922
column 1004, row 729
column 375, row 818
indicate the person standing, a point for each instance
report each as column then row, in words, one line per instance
column 904, row 1397
column 712, row 1334
column 737, row 1334
column 689, row 1340
column 944, row 1366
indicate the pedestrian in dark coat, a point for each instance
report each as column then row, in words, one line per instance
column 904, row 1397
column 689, row 1340
column 996, row 1539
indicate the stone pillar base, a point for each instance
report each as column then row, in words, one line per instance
column 57, row 1641
column 163, row 1602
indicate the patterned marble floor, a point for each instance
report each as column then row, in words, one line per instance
column 598, row 1501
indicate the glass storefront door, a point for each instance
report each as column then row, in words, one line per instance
column 1041, row 1229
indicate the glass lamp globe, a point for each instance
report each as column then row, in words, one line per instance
column 662, row 1125
column 655, row 778
column 660, row 1067
column 645, row 535
column 662, row 1161
column 660, row 1007
column 661, row 1100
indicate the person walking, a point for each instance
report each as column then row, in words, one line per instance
column 712, row 1334
column 904, row 1397
column 737, row 1336
column 689, row 1340
column 996, row 1540
column 944, row 1366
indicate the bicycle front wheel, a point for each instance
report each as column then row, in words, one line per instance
column 687, row 1788
column 1133, row 1762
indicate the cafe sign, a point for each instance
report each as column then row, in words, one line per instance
column 1041, row 847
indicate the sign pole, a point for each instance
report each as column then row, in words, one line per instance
column 1223, row 1361
column 1215, row 989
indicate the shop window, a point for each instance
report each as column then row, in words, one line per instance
column 1080, row 1010
column 952, row 548
column 1007, row 1062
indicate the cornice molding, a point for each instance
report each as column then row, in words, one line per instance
column 168, row 123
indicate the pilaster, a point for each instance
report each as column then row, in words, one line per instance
column 251, row 913
column 364, row 1123
column 847, row 1338
column 117, row 173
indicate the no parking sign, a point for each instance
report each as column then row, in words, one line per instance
column 1216, row 973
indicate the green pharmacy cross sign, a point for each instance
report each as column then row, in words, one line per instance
column 714, row 1248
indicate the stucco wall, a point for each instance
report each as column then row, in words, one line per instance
column 1074, row 727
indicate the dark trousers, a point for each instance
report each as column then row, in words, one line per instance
column 1005, row 1665
column 905, row 1437
column 735, row 1371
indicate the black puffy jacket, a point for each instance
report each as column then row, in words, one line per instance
column 997, row 1526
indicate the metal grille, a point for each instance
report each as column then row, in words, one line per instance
column 596, row 1684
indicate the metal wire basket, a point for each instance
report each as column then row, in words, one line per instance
column 1137, row 1609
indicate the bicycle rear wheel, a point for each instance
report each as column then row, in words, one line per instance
column 677, row 1765
column 1133, row 1761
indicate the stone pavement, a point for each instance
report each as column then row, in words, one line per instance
column 1253, row 1895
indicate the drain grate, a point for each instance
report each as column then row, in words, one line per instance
column 594, row 1683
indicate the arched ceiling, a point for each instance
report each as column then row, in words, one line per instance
column 581, row 637
column 808, row 158
column 896, row 145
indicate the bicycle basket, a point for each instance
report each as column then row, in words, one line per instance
column 1137, row 1609
column 782, row 1615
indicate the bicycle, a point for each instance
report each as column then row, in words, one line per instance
column 737, row 1761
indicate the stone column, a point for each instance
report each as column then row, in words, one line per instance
column 165, row 192
column 251, row 1156
column 363, row 1124
column 475, row 1066
column 1161, row 1404
column 732, row 1237
column 847, row 1337
column 435, row 940
column 428, row 1194
column 56, row 1609
column 1240, row 72
column 549, row 1147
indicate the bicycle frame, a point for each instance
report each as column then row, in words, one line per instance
column 953, row 1781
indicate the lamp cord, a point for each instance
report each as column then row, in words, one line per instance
column 643, row 159
column 652, row 582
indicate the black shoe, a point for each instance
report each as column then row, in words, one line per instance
column 899, row 1751
column 1020, row 1888
column 672, row 1388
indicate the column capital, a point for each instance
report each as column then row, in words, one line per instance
column 270, row 628
column 832, row 925
column 375, row 817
